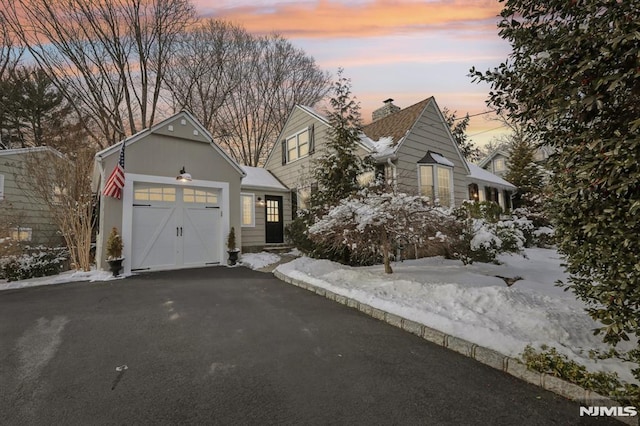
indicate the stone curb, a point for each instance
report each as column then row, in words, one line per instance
column 481, row 354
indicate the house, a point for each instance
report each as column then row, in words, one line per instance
column 180, row 198
column 25, row 216
column 413, row 148
column 497, row 161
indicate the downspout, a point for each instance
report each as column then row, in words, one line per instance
column 394, row 174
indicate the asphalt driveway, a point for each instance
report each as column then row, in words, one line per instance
column 234, row 346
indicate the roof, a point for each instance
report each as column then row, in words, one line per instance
column 479, row 174
column 395, row 125
column 491, row 155
column 19, row 151
column 258, row 177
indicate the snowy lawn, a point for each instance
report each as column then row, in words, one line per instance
column 258, row 260
column 470, row 302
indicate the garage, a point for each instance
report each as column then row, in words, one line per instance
column 179, row 199
column 175, row 227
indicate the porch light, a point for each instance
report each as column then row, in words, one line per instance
column 260, row 201
column 184, row 176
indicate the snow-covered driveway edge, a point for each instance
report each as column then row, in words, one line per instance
column 479, row 353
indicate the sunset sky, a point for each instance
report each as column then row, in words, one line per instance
column 407, row 50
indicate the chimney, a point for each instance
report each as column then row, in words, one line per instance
column 387, row 109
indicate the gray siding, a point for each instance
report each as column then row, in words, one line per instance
column 297, row 173
column 21, row 207
column 253, row 238
column 429, row 133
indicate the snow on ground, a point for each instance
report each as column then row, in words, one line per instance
column 258, row 260
column 470, row 302
column 63, row 278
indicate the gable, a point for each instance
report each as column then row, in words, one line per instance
column 395, row 125
column 176, row 142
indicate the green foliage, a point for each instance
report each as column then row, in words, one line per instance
column 36, row 262
column 524, row 173
column 114, row 245
column 574, row 79
column 231, row 240
column 487, row 210
column 458, row 128
column 549, row 361
column 336, row 171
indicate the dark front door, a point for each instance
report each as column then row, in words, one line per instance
column 275, row 223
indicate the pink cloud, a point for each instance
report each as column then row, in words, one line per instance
column 333, row 19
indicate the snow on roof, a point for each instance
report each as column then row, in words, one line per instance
column 258, row 177
column 441, row 160
column 478, row 173
column 383, row 147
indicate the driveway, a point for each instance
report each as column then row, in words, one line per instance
column 234, row 346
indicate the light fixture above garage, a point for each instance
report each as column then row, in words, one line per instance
column 184, row 176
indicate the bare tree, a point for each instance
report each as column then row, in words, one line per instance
column 107, row 57
column 64, row 186
column 10, row 50
column 242, row 87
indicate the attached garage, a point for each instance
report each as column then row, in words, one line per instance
column 168, row 222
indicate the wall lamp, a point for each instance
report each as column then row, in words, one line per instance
column 184, row 176
column 260, row 201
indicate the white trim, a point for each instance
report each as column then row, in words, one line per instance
column 127, row 208
column 253, row 210
column 296, row 135
column 1, row 187
column 18, row 151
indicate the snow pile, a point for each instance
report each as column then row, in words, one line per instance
column 473, row 302
column 259, row 260
column 63, row 278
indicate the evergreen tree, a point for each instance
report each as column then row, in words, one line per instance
column 458, row 127
column 525, row 174
column 573, row 78
column 337, row 169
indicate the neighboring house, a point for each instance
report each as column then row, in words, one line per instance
column 180, row 199
column 25, row 217
column 497, row 162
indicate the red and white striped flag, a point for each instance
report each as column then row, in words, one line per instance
column 115, row 183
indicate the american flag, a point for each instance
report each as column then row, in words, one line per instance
column 115, row 183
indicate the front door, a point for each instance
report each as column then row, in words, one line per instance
column 275, row 222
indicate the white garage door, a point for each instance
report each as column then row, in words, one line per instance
column 175, row 227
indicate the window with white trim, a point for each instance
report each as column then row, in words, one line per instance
column 303, row 197
column 190, row 195
column 499, row 164
column 297, row 145
column 154, row 193
column 436, row 182
column 1, row 187
column 248, row 209
column 21, row 234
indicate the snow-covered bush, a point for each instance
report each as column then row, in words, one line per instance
column 374, row 222
column 535, row 226
column 482, row 241
column 36, row 262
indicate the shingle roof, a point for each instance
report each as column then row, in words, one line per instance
column 395, row 125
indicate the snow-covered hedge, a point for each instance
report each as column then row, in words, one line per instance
column 36, row 262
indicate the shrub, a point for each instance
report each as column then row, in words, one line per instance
column 549, row 361
column 35, row 262
column 114, row 245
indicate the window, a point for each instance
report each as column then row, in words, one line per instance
column 498, row 164
column 298, row 145
column 248, row 210
column 190, row 195
column 160, row 193
column 59, row 194
column 273, row 211
column 21, row 234
column 436, row 183
column 366, row 178
column 1, row 187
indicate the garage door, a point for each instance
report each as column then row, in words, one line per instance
column 175, row 227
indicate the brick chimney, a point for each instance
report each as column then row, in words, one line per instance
column 387, row 109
